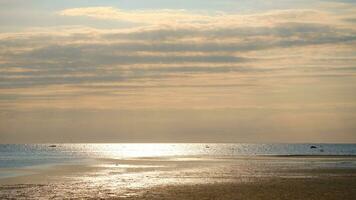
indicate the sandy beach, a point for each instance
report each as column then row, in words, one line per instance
column 327, row 177
column 274, row 188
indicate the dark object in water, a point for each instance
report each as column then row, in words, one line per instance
column 207, row 146
column 53, row 145
column 313, row 147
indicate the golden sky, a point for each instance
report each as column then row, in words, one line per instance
column 177, row 71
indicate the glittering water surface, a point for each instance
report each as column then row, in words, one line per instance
column 23, row 155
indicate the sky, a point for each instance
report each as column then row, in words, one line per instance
column 250, row 71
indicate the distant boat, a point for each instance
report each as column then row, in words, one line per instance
column 53, row 145
column 313, row 147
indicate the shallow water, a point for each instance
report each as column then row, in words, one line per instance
column 25, row 155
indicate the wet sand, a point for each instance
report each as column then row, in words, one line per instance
column 275, row 188
column 189, row 178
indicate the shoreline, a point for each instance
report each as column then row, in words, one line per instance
column 188, row 178
column 89, row 163
column 339, row 186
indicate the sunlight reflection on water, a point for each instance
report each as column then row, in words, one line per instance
column 196, row 149
column 142, row 150
column 40, row 154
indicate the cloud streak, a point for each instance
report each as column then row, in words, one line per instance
column 185, row 17
column 177, row 49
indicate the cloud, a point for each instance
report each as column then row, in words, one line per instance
column 192, row 18
column 186, row 59
column 97, row 48
column 137, row 16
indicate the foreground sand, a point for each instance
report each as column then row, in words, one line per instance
column 277, row 188
column 243, row 178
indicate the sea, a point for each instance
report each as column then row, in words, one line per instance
column 109, row 171
column 28, row 155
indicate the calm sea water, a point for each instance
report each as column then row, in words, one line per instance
column 26, row 155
